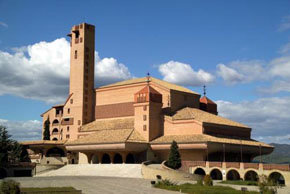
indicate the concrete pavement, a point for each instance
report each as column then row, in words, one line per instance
column 94, row 185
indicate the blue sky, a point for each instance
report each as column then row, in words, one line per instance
column 240, row 50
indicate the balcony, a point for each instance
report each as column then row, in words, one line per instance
column 67, row 121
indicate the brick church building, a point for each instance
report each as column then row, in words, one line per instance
column 135, row 120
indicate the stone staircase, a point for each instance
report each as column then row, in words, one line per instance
column 107, row 170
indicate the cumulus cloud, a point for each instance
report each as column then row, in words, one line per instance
column 184, row 74
column 23, row 130
column 108, row 70
column 41, row 71
column 268, row 117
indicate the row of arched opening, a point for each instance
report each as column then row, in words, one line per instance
column 116, row 159
column 233, row 174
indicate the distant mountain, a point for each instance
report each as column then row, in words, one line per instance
column 281, row 154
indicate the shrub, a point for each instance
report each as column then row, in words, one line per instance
column 174, row 160
column 207, row 180
column 166, row 182
column 267, row 186
column 10, row 187
column 200, row 182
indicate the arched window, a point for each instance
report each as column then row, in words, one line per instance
column 55, row 122
column 199, row 171
column 106, row 159
column 216, row 174
column 118, row 159
column 277, row 178
column 251, row 176
column 54, row 139
column 233, row 175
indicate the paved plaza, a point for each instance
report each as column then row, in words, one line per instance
column 94, row 185
column 110, row 185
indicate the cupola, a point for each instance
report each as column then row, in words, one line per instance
column 148, row 94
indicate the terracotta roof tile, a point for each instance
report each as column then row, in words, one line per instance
column 154, row 80
column 109, row 136
column 108, row 124
column 203, row 116
column 203, row 138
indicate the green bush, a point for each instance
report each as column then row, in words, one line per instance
column 267, row 186
column 174, row 160
column 166, row 182
column 207, row 180
column 9, row 187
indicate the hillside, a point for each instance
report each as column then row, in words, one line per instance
column 281, row 154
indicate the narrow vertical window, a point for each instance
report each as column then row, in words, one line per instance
column 144, row 127
column 68, row 111
column 144, row 117
column 76, row 54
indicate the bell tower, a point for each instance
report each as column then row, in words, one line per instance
column 82, row 65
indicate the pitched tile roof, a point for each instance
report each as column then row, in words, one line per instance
column 109, row 136
column 203, row 116
column 108, row 124
column 43, row 142
column 203, row 138
column 154, row 80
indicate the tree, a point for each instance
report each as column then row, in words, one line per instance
column 174, row 160
column 10, row 150
column 5, row 145
column 46, row 132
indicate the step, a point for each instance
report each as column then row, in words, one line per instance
column 108, row 170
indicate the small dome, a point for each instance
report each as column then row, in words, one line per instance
column 208, row 105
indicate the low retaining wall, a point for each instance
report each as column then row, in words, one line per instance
column 166, row 173
column 39, row 169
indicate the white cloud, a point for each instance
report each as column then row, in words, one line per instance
column 276, row 87
column 184, row 74
column 3, row 24
column 108, row 70
column 242, row 71
column 280, row 67
column 266, row 116
column 285, row 24
column 230, row 75
column 41, row 71
column 23, row 130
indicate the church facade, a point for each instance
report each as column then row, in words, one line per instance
column 136, row 120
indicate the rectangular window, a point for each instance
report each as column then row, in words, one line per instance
column 71, row 101
column 144, row 108
column 81, row 39
column 79, row 122
column 67, row 136
column 67, row 128
column 144, row 127
column 68, row 111
column 76, row 54
column 144, row 117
